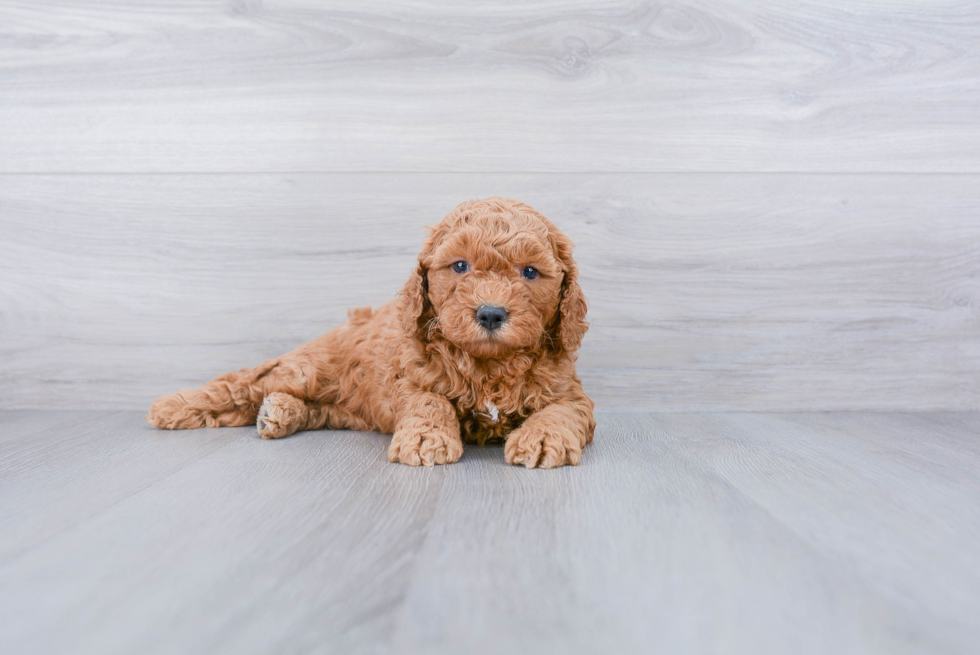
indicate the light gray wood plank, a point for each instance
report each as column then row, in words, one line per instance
column 703, row 533
column 46, row 477
column 856, row 488
column 708, row 292
column 736, row 533
column 490, row 86
column 16, row 424
column 307, row 540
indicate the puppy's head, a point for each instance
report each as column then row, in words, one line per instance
column 496, row 277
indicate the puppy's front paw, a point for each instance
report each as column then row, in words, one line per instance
column 414, row 445
column 542, row 447
column 280, row 416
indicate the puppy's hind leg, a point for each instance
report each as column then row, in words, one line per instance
column 234, row 398
column 282, row 414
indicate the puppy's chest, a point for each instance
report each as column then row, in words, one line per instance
column 484, row 420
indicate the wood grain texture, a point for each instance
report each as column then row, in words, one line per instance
column 575, row 85
column 734, row 533
column 737, row 292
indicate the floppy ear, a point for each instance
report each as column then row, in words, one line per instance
column 572, row 307
column 416, row 309
column 415, row 300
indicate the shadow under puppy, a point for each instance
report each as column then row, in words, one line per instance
column 479, row 345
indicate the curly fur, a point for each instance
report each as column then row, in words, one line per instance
column 422, row 368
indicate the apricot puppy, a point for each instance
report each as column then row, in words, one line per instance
column 479, row 345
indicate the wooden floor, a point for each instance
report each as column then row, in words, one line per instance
column 721, row 533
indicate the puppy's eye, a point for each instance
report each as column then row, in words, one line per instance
column 529, row 273
column 461, row 267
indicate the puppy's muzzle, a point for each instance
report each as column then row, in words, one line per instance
column 491, row 316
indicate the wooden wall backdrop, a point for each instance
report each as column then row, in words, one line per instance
column 776, row 205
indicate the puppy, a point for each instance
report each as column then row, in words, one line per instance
column 480, row 345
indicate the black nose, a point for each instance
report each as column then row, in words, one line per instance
column 491, row 317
